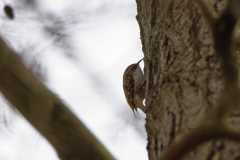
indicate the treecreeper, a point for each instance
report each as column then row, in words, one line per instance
column 134, row 87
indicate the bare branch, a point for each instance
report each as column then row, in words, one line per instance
column 207, row 13
column 223, row 38
column 46, row 112
column 205, row 132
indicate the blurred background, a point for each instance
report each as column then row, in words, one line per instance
column 79, row 49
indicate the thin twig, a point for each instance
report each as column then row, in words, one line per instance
column 203, row 133
column 207, row 13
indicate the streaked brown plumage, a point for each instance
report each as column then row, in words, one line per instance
column 133, row 86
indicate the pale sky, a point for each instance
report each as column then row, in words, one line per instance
column 100, row 39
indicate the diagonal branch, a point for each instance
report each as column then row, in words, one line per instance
column 203, row 133
column 46, row 112
column 207, row 13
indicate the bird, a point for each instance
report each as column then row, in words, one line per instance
column 134, row 87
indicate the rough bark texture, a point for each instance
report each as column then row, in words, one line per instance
column 183, row 75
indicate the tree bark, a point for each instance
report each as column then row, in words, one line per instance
column 183, row 73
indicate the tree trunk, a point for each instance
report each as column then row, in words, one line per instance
column 183, row 75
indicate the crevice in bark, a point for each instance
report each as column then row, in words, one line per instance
column 153, row 13
column 172, row 130
column 211, row 155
